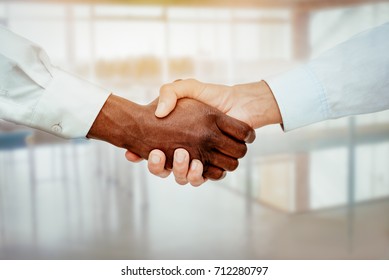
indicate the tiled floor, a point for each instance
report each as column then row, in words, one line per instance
column 101, row 207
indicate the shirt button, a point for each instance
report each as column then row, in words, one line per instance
column 56, row 128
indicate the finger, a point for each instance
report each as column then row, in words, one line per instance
column 167, row 100
column 130, row 156
column 170, row 93
column 235, row 128
column 156, row 164
column 214, row 173
column 181, row 166
column 223, row 162
column 195, row 173
column 229, row 146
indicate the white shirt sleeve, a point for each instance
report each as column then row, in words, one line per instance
column 37, row 94
column 351, row 78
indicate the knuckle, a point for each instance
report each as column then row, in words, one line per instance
column 196, row 184
column 250, row 135
column 155, row 169
column 155, row 172
column 181, row 176
column 180, row 169
column 211, row 137
column 214, row 174
column 164, row 174
column 165, row 88
column 192, row 80
column 253, row 135
column 195, row 179
column 181, row 181
column 243, row 151
column 217, row 177
column 234, row 165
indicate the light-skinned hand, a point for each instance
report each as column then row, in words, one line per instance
column 251, row 103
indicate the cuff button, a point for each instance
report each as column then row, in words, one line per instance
column 56, row 128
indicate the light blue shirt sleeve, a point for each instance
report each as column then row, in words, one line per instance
column 37, row 94
column 349, row 79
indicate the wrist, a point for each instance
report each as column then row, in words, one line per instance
column 270, row 105
column 116, row 122
column 258, row 104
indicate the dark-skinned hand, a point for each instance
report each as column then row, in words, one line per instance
column 210, row 136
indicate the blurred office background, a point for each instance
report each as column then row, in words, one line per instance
column 317, row 192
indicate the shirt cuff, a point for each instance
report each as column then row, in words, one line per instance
column 68, row 106
column 300, row 97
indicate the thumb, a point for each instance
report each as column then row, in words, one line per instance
column 167, row 101
column 170, row 93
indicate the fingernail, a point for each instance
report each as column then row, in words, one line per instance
column 194, row 165
column 155, row 159
column 160, row 108
column 250, row 138
column 180, row 157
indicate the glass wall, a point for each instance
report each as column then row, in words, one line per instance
column 310, row 178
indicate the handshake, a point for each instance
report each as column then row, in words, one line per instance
column 197, row 130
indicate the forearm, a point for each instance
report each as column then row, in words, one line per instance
column 352, row 78
column 355, row 74
column 37, row 94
